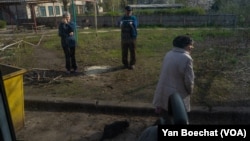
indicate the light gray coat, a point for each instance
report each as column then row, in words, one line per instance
column 176, row 75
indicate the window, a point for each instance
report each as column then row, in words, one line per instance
column 80, row 9
column 57, row 10
column 62, row 8
column 68, row 8
column 51, row 10
column 42, row 11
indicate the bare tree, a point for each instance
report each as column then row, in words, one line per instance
column 65, row 4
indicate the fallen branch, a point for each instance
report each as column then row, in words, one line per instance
column 55, row 79
column 19, row 42
column 29, row 43
column 2, row 49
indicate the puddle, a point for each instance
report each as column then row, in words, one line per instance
column 93, row 70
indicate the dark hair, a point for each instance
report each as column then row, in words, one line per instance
column 128, row 8
column 182, row 41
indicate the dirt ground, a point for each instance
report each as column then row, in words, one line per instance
column 46, row 75
column 63, row 126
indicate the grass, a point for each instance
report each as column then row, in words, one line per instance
column 218, row 55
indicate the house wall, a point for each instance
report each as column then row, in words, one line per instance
column 23, row 10
column 49, row 10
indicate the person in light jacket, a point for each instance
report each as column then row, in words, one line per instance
column 177, row 75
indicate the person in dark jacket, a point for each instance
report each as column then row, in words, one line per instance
column 68, row 42
column 128, row 25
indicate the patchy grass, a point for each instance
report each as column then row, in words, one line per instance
column 221, row 60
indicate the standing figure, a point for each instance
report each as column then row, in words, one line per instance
column 177, row 76
column 68, row 42
column 128, row 25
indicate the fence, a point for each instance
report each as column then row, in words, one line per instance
column 149, row 20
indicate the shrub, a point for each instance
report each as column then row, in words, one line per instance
column 2, row 24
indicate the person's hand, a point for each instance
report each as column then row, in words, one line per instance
column 121, row 23
column 64, row 20
column 71, row 33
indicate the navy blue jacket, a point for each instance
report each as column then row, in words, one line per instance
column 128, row 26
column 63, row 31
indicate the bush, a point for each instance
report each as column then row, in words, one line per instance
column 2, row 24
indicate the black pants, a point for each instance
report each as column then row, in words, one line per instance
column 129, row 45
column 70, row 58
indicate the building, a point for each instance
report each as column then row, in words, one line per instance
column 13, row 10
column 205, row 4
column 156, row 4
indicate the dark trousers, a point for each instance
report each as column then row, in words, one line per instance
column 129, row 45
column 70, row 58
